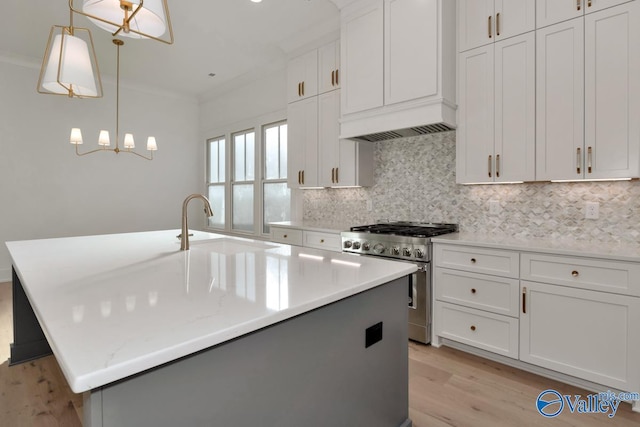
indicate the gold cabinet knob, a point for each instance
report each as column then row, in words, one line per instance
column 574, row 273
column 473, row 260
column 473, row 328
column 473, row 290
column 321, row 240
column 285, row 236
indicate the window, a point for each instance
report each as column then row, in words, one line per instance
column 252, row 190
column 276, row 195
column 216, row 180
column 243, row 180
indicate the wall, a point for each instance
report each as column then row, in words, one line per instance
column 415, row 180
column 48, row 191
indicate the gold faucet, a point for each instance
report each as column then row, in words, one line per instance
column 184, row 236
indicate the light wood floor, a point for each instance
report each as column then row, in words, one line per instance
column 446, row 388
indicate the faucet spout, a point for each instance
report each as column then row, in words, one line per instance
column 184, row 236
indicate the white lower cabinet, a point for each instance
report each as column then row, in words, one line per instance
column 330, row 241
column 576, row 317
column 586, row 334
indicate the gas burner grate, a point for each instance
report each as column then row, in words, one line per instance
column 407, row 229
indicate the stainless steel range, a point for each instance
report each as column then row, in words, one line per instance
column 408, row 242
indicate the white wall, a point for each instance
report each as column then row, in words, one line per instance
column 48, row 191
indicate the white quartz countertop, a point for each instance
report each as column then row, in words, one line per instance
column 324, row 227
column 569, row 247
column 115, row 305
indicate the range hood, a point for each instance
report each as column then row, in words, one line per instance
column 405, row 133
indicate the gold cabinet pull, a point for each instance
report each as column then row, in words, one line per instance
column 303, row 177
column 473, row 328
column 577, row 4
column 337, row 79
column 589, row 3
column 302, row 88
column 489, row 26
column 321, row 240
column 473, row 290
column 575, row 273
column 299, row 181
column 337, row 178
column 524, row 300
column 333, row 78
column 333, row 175
column 299, row 89
column 285, row 236
column 578, row 161
column 473, row 260
column 589, row 155
column 498, row 166
column 498, row 24
column 489, row 166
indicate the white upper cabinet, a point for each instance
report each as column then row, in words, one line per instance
column 302, row 123
column 302, row 76
column 481, row 22
column 362, row 58
column 554, row 11
column 587, row 96
column 496, row 132
column 411, row 45
column 329, row 67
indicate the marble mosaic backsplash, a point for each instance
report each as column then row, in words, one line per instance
column 415, row 180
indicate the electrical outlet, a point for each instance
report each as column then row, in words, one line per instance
column 592, row 210
column 494, row 207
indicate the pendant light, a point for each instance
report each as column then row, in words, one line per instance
column 69, row 66
column 130, row 18
column 104, row 141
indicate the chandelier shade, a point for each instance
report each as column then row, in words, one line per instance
column 69, row 65
column 129, row 18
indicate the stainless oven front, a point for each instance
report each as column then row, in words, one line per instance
column 420, row 304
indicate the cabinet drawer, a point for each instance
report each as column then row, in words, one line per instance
column 495, row 294
column 289, row 236
column 318, row 240
column 477, row 260
column 488, row 331
column 586, row 273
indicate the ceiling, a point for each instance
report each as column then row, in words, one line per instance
column 237, row 40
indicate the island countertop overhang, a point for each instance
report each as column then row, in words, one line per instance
column 112, row 306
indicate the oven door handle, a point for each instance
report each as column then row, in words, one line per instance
column 413, row 289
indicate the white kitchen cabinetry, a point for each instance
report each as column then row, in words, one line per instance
column 302, row 76
column 329, row 67
column 496, row 130
column 476, row 295
column 302, row 123
column 398, row 65
column 342, row 162
column 481, row 22
column 576, row 317
column 308, row 238
column 588, row 91
column 553, row 11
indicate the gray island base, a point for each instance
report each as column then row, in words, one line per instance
column 311, row 370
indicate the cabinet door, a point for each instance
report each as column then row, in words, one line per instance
column 513, row 17
column 302, row 76
column 474, row 145
column 475, row 23
column 328, row 137
column 587, row 334
column 361, row 57
column 515, row 109
column 302, row 121
column 560, row 101
column 329, row 67
column 356, row 164
column 553, row 11
column 411, row 40
column 612, row 96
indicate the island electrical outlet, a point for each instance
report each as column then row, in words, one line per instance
column 592, row 210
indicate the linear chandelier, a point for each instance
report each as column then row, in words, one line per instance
column 103, row 138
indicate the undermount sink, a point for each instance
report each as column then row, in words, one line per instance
column 230, row 246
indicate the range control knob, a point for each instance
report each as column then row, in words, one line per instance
column 347, row 244
column 395, row 250
column 379, row 248
column 356, row 245
column 406, row 251
column 419, row 253
column 366, row 246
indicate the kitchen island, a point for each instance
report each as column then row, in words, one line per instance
column 231, row 332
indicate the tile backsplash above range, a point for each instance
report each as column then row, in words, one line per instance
column 415, row 180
